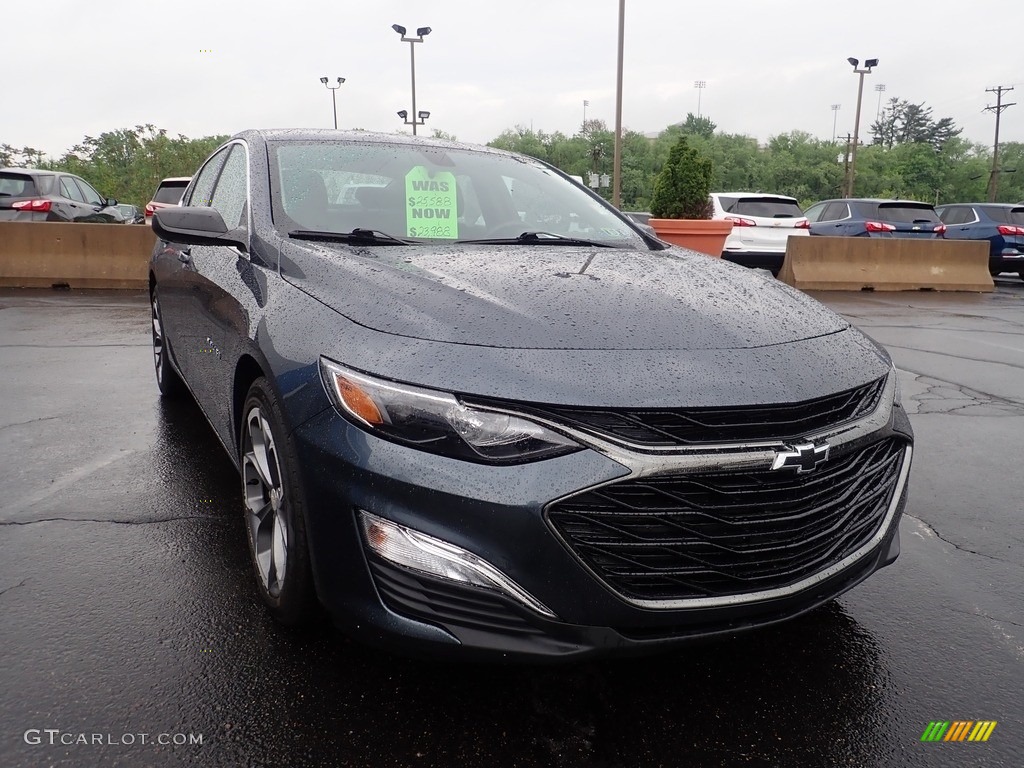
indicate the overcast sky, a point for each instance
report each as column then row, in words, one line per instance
column 202, row 67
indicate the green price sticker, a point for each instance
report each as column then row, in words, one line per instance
column 431, row 210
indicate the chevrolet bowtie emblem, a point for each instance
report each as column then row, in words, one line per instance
column 803, row 457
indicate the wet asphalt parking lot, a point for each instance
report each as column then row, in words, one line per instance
column 126, row 606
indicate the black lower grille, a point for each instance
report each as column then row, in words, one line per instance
column 666, row 427
column 729, row 533
column 438, row 601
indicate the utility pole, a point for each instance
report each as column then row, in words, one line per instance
column 993, row 179
column 846, row 164
column 617, row 155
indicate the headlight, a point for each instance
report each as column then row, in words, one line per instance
column 436, row 421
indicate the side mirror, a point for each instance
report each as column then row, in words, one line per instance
column 195, row 226
column 111, row 202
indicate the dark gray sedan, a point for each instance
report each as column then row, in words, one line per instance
column 475, row 409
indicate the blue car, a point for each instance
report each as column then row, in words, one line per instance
column 874, row 218
column 1002, row 225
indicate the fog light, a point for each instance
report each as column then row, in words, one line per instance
column 412, row 549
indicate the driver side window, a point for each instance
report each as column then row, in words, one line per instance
column 231, row 193
column 91, row 195
column 201, row 192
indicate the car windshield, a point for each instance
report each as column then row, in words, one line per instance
column 1007, row 215
column 429, row 193
column 170, row 193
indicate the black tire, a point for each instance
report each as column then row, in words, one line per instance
column 274, row 504
column 167, row 379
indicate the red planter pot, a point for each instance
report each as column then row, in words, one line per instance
column 702, row 235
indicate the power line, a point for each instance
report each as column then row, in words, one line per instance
column 993, row 179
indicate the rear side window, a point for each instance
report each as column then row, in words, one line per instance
column 766, row 207
column 906, row 214
column 17, row 185
column 957, row 215
column 1007, row 215
column 835, row 212
column 170, row 192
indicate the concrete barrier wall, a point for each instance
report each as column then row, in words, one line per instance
column 44, row 254
column 886, row 264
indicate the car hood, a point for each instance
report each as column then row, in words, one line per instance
column 555, row 297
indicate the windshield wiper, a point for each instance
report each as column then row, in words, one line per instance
column 357, row 235
column 540, row 238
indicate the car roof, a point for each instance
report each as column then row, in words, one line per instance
column 368, row 137
column 36, row 171
column 186, row 179
column 873, row 200
column 983, row 205
column 754, row 194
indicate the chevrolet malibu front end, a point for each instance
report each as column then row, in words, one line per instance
column 537, row 529
column 475, row 411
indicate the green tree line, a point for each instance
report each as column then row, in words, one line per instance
column 911, row 156
column 126, row 164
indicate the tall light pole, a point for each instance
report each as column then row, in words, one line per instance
column 586, row 103
column 852, row 173
column 835, row 116
column 700, row 85
column 880, row 89
column 420, row 34
column 334, row 96
column 617, row 160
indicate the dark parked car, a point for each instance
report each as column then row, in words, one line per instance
column 30, row 194
column 874, row 218
column 168, row 193
column 131, row 214
column 460, row 434
column 1001, row 225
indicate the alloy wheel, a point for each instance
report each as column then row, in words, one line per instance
column 158, row 341
column 265, row 502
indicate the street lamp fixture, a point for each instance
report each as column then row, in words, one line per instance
column 422, row 115
column 421, row 32
column 851, row 173
column 700, row 85
column 334, row 99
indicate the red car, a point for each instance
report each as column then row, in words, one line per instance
column 167, row 194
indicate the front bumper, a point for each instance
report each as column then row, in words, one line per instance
column 500, row 514
column 1011, row 259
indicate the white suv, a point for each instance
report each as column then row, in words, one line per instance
column 761, row 226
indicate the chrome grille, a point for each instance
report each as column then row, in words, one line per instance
column 666, row 427
column 729, row 533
